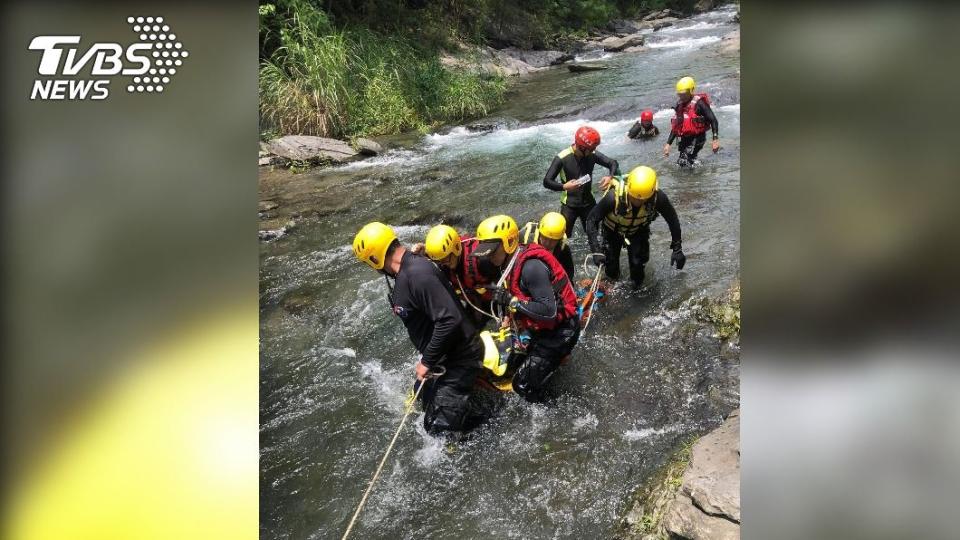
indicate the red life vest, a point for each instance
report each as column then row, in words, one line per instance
column 692, row 123
column 467, row 274
column 563, row 291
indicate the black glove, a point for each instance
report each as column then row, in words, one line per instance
column 678, row 258
column 502, row 297
column 599, row 258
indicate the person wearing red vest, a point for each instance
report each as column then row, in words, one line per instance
column 471, row 277
column 694, row 117
column 538, row 298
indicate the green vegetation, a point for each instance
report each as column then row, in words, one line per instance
column 344, row 68
column 650, row 502
column 325, row 81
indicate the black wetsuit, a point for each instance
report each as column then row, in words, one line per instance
column 638, row 251
column 687, row 155
column 438, row 327
column 576, row 203
column 638, row 132
column 547, row 347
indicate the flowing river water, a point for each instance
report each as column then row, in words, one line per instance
column 336, row 365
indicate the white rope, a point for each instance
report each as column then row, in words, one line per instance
column 467, row 298
column 383, row 461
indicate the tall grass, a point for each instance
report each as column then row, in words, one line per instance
column 341, row 83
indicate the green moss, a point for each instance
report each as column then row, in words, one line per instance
column 649, row 503
column 723, row 313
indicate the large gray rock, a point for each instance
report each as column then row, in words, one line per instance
column 367, row 147
column 614, row 44
column 312, row 149
column 537, row 59
column 685, row 520
column 487, row 60
column 707, row 505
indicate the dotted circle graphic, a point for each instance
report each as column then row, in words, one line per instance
column 165, row 52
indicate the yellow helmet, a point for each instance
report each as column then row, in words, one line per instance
column 442, row 241
column 371, row 244
column 686, row 84
column 502, row 228
column 642, row 182
column 552, row 225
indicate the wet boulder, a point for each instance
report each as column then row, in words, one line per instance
column 662, row 14
column 367, row 147
column 615, row 44
column 310, row 149
column 537, row 59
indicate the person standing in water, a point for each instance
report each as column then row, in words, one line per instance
column 448, row 342
column 694, row 117
column 574, row 167
column 537, row 297
column 471, row 277
column 626, row 210
column 551, row 234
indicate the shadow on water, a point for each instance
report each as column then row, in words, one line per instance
column 336, row 366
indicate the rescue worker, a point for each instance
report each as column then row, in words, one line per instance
column 447, row 341
column 644, row 128
column 572, row 163
column 537, row 297
column 694, row 117
column 626, row 210
column 471, row 277
column 550, row 233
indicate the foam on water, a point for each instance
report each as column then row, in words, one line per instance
column 644, row 433
column 689, row 43
column 697, row 26
column 390, row 386
column 391, row 158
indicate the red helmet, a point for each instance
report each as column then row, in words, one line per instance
column 587, row 137
column 646, row 116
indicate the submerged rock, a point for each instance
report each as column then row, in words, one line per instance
column 586, row 66
column 313, row 150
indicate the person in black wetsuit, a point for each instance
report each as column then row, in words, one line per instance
column 446, row 339
column 626, row 210
column 644, row 129
column 694, row 117
column 550, row 233
column 569, row 165
column 537, row 297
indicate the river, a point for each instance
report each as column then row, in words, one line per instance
column 335, row 365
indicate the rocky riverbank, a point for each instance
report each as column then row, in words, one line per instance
column 621, row 35
column 696, row 495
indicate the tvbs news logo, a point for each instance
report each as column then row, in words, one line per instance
column 151, row 62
